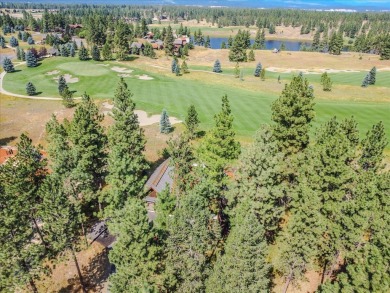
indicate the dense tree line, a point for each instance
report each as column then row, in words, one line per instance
column 365, row 31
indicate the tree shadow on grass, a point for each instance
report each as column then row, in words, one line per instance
column 131, row 58
column 7, row 140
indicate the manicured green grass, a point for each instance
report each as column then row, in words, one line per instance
column 250, row 108
column 343, row 78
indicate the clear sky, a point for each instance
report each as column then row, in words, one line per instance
column 301, row 4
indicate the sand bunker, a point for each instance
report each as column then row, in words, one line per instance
column 68, row 78
column 124, row 75
column 307, row 71
column 143, row 118
column 145, row 77
column 54, row 72
column 121, row 69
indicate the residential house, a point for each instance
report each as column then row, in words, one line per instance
column 157, row 182
column 7, row 152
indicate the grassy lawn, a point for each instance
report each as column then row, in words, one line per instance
column 251, row 105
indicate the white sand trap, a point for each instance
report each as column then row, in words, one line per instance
column 124, row 75
column 145, row 77
column 121, row 69
column 54, row 72
column 68, row 78
column 143, row 118
column 308, row 71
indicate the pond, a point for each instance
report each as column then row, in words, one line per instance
column 269, row 44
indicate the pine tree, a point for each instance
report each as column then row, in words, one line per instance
column 372, row 147
column 251, row 56
column 13, row 42
column 177, row 70
column 217, row 66
column 64, row 51
column 258, row 70
column 165, row 124
column 259, row 40
column 7, row 65
column 336, row 43
column 278, row 78
column 30, row 41
column 237, row 51
column 237, row 70
column 22, row 55
column 83, row 54
column 31, row 60
column 219, row 146
column 60, row 219
column 95, row 53
column 292, row 112
column 182, row 160
column 2, row 42
column 135, row 251
column 67, row 98
column 189, row 242
column 88, row 153
column 223, row 45
column 168, row 41
column 30, row 89
column 192, row 121
column 21, row 242
column 262, row 74
column 184, row 67
column 207, row 42
column 72, row 51
column 372, row 76
column 259, row 179
column 126, row 162
column 173, row 65
column 366, row 80
column 326, row 82
column 61, row 84
column 106, row 52
column 243, row 266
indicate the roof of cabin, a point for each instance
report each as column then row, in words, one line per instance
column 162, row 176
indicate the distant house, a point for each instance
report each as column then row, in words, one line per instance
column 157, row 44
column 149, row 35
column 136, row 48
column 52, row 52
column 157, row 182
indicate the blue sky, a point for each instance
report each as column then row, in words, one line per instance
column 302, row 4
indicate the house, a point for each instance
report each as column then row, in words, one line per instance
column 75, row 26
column 157, row 182
column 149, row 35
column 52, row 52
column 7, row 152
column 136, row 48
column 157, row 44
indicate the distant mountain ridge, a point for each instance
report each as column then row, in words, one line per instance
column 358, row 5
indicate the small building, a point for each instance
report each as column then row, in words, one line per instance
column 75, row 26
column 149, row 35
column 157, row 182
column 157, row 44
column 52, row 52
column 7, row 152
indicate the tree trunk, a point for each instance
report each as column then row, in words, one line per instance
column 78, row 270
column 32, row 285
column 84, row 233
column 287, row 284
column 324, row 272
column 39, row 232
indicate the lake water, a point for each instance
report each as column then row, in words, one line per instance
column 269, row 44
